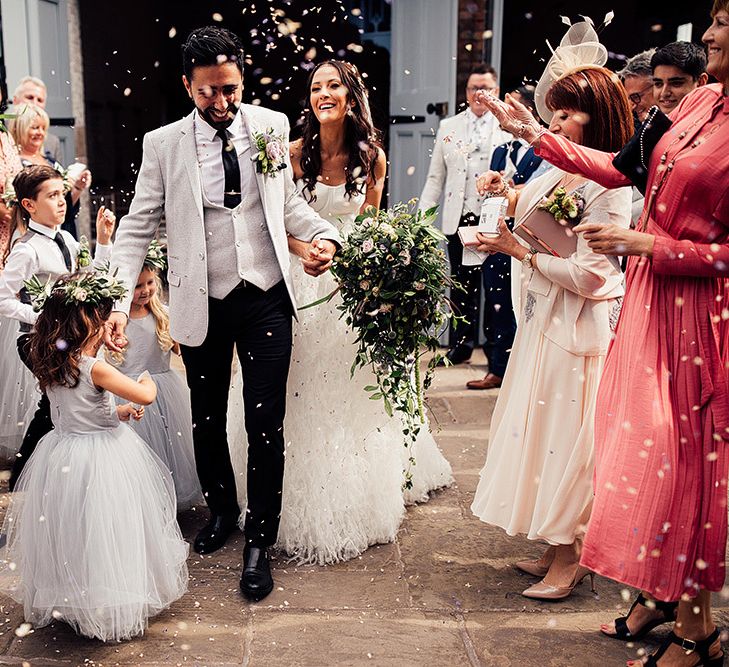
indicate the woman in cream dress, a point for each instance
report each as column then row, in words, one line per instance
column 537, row 480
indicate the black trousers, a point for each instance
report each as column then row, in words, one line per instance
column 258, row 325
column 464, row 334
column 499, row 323
column 38, row 427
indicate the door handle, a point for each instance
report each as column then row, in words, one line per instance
column 440, row 109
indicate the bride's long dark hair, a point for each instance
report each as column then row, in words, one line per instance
column 362, row 139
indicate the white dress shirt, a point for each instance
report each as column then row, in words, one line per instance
column 24, row 262
column 480, row 130
column 210, row 154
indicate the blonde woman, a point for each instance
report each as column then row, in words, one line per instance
column 29, row 129
column 167, row 424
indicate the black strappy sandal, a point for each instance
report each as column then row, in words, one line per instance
column 668, row 609
column 700, row 648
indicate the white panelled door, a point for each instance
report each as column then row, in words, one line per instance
column 35, row 39
column 422, row 88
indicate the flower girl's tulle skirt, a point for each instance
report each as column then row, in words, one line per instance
column 167, row 429
column 92, row 536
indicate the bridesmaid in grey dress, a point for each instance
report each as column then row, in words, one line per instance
column 167, row 424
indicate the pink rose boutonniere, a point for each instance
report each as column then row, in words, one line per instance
column 270, row 154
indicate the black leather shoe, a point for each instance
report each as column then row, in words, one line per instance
column 457, row 355
column 216, row 533
column 256, row 581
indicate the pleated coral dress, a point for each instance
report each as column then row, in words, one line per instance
column 659, row 519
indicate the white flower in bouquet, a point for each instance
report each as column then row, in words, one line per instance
column 393, row 278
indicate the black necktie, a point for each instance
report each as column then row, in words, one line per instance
column 232, row 171
column 514, row 154
column 58, row 238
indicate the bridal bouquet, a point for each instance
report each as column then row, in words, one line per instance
column 392, row 278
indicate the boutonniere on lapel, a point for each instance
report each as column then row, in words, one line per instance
column 83, row 260
column 270, row 155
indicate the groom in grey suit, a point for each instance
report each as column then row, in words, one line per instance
column 228, row 214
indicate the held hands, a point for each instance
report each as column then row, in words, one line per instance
column 114, row 337
column 128, row 410
column 505, row 242
column 512, row 115
column 609, row 239
column 105, row 224
column 319, row 256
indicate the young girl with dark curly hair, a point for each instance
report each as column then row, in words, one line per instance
column 92, row 535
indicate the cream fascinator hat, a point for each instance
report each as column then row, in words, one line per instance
column 579, row 49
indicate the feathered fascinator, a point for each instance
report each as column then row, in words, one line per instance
column 579, row 49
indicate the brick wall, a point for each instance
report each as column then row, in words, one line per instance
column 473, row 22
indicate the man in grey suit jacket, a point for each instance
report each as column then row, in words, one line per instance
column 228, row 214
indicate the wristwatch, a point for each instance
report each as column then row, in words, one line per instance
column 527, row 259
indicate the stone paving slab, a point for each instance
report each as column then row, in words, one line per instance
column 444, row 594
column 398, row 638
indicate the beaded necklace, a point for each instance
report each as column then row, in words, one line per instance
column 666, row 167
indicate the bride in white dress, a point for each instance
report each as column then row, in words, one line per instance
column 345, row 459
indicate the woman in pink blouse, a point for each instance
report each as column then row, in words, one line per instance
column 659, row 519
column 9, row 166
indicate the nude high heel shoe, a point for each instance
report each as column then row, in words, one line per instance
column 534, row 567
column 542, row 591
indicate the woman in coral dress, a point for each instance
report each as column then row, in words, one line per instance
column 659, row 519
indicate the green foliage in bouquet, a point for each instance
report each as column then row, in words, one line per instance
column 393, row 279
column 3, row 118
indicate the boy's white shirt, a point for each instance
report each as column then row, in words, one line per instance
column 24, row 262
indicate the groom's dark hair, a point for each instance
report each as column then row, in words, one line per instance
column 211, row 45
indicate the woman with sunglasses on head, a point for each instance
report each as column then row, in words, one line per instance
column 659, row 520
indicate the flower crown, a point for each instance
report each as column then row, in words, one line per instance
column 89, row 287
column 156, row 256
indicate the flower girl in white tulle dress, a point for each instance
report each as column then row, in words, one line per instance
column 345, row 459
column 92, row 535
column 167, row 423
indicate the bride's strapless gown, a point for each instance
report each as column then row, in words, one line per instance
column 344, row 456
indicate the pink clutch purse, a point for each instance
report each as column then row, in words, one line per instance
column 545, row 234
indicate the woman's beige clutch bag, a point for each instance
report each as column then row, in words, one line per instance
column 545, row 234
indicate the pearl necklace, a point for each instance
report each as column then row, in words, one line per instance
column 666, row 167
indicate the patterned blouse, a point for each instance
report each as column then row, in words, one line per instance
column 9, row 166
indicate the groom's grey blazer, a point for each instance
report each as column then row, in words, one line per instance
column 169, row 184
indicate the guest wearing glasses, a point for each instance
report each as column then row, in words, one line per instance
column 637, row 77
column 462, row 152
